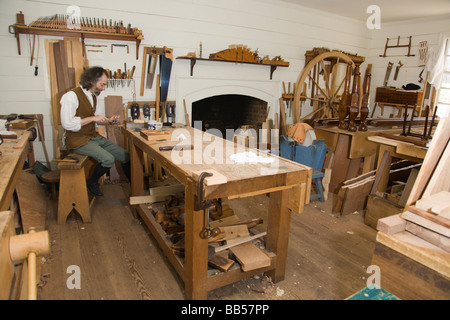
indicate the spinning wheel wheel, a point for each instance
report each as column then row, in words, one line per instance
column 321, row 84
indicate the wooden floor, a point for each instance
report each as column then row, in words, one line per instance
column 120, row 260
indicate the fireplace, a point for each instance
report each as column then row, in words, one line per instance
column 227, row 103
column 229, row 111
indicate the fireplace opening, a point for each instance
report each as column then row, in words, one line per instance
column 229, row 111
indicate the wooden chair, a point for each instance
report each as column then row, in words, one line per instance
column 312, row 156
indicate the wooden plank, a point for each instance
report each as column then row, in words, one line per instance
column 134, row 200
column 6, row 265
column 337, row 207
column 353, row 168
column 230, row 234
column 440, row 180
column 61, row 67
column 54, row 97
column 144, row 66
column 241, row 241
column 32, row 202
column 297, row 196
column 216, row 178
column 114, row 107
column 250, row 256
column 377, row 208
column 419, row 250
column 434, row 238
column 74, row 51
column 430, row 216
column 155, row 135
column 392, row 224
column 21, row 143
column 408, row 187
column 356, row 196
column 439, row 199
column 278, row 226
column 11, row 163
column 221, row 261
column 283, row 124
column 382, row 177
column 427, row 223
column 437, row 146
column 340, row 164
column 196, row 252
column 402, row 276
column 167, row 190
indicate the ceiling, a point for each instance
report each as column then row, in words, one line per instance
column 391, row 10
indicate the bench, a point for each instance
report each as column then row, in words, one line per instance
column 73, row 192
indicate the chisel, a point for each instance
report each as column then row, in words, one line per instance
column 176, row 148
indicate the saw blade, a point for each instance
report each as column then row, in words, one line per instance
column 388, row 73
column 165, row 69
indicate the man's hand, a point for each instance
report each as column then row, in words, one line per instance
column 114, row 120
column 100, row 119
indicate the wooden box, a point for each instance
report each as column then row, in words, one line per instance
column 400, row 97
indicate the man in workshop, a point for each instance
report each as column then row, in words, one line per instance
column 79, row 119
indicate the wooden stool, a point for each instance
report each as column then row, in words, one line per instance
column 73, row 192
column 52, row 177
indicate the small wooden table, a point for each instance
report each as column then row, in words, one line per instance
column 242, row 180
column 396, row 149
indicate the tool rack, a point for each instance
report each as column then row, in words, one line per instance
column 23, row 29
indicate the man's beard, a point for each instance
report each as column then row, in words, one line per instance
column 96, row 92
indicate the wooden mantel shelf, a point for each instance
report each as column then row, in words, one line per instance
column 18, row 29
column 273, row 66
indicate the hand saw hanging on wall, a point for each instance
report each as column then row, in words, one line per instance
column 152, row 61
column 165, row 66
column 388, row 73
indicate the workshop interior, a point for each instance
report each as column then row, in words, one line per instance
column 269, row 150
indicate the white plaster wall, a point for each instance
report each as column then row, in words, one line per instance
column 273, row 27
column 426, row 29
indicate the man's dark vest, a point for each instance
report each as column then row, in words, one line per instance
column 80, row 138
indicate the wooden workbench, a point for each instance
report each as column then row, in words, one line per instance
column 359, row 146
column 377, row 206
column 14, row 153
column 350, row 149
column 396, row 149
column 242, row 180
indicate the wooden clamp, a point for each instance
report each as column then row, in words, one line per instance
column 387, row 46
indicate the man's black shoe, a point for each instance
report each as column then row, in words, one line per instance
column 94, row 188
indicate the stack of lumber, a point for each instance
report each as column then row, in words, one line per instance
column 413, row 247
column 429, row 219
column 354, row 194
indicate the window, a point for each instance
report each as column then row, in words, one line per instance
column 443, row 94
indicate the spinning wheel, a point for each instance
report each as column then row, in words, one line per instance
column 321, row 84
